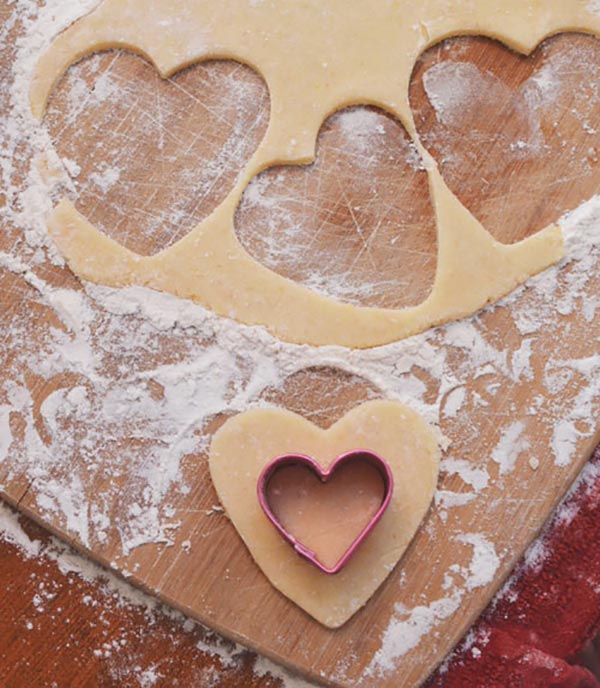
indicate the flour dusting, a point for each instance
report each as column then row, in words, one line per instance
column 511, row 445
column 456, row 89
column 408, row 626
column 111, row 591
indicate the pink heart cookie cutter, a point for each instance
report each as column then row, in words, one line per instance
column 324, row 475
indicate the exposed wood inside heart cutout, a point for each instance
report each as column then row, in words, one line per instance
column 152, row 157
column 326, row 514
column 245, row 445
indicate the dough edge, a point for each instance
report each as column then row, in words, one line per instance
column 209, row 265
column 245, row 443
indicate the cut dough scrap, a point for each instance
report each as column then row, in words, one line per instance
column 247, row 442
column 212, row 268
column 316, row 57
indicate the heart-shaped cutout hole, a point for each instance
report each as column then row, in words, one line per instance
column 357, row 224
column 149, row 158
column 533, row 115
column 326, row 514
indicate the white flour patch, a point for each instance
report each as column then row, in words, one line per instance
column 409, row 626
column 564, row 441
column 70, row 562
column 407, row 629
column 594, row 6
column 456, row 89
column 485, row 561
column 359, row 125
column 478, row 478
column 149, row 677
column 6, row 437
column 107, row 179
column 454, row 402
column 511, row 445
column 445, row 499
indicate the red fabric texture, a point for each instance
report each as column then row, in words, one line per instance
column 546, row 614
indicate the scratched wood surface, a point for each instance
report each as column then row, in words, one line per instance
column 161, row 195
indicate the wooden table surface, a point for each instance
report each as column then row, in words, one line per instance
column 59, row 630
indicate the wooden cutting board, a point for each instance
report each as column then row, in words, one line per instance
column 114, row 112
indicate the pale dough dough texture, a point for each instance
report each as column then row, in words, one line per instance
column 247, row 442
column 317, row 56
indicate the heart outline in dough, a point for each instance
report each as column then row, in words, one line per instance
column 209, row 265
column 242, row 447
column 324, row 476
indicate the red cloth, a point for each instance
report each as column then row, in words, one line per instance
column 548, row 611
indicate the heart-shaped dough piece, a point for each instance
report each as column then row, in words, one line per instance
column 246, row 443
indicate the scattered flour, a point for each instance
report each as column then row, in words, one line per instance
column 478, row 478
column 408, row 626
column 70, row 562
column 360, row 125
column 485, row 561
column 445, row 499
column 107, row 179
column 6, row 437
column 406, row 630
column 511, row 445
column 454, row 402
column 457, row 88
